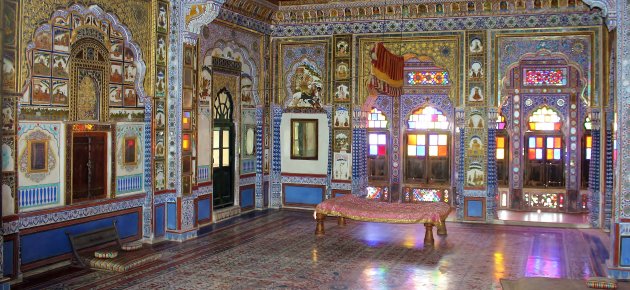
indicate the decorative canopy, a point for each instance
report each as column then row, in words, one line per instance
column 387, row 71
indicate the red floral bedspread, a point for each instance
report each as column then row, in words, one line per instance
column 361, row 209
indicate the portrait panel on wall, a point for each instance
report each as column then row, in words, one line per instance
column 40, row 91
column 342, row 140
column 247, row 93
column 188, row 55
column 77, row 21
column 116, row 51
column 41, row 63
column 8, row 115
column 159, row 175
column 187, row 98
column 43, row 39
column 115, row 33
column 160, row 84
column 475, row 121
column 159, row 114
column 341, row 167
column 129, row 55
column 130, row 73
column 476, row 94
column 475, row 146
column 8, row 69
column 90, row 20
column 342, row 92
column 249, row 141
column 159, row 143
column 475, row 174
column 307, row 86
column 342, row 48
column 130, row 149
column 186, row 186
column 162, row 21
column 60, row 92
column 60, row 66
column 104, row 26
column 115, row 95
column 61, row 40
column 475, row 45
column 205, row 82
column 61, row 21
column 116, row 72
column 161, row 50
column 10, row 23
column 129, row 99
column 476, row 69
column 342, row 70
column 342, row 117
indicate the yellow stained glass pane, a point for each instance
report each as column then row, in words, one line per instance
column 500, row 142
column 539, row 142
column 557, row 142
column 549, row 154
column 412, row 140
column 589, row 141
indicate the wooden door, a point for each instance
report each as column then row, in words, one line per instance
column 89, row 166
column 223, row 166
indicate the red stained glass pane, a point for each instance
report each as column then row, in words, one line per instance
column 532, row 154
column 382, row 150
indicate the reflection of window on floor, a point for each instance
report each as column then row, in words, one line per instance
column 545, row 157
column 377, row 143
column 427, row 150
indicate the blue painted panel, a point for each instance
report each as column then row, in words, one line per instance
column 51, row 243
column 203, row 209
column 171, row 215
column 247, row 197
column 475, row 208
column 302, row 194
column 624, row 256
column 7, row 258
column 160, row 229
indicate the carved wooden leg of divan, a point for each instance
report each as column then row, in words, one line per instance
column 428, row 235
column 341, row 221
column 442, row 228
column 319, row 229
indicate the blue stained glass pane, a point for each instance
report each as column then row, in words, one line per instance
column 556, row 154
column 373, row 150
column 532, row 142
column 421, row 150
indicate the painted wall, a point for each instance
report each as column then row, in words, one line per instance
column 319, row 166
column 43, row 189
column 129, row 176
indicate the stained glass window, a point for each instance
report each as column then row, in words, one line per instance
column 545, row 119
column 426, row 194
column 378, row 144
column 588, row 147
column 428, row 118
column 541, row 147
column 545, row 77
column 427, row 78
column 376, row 119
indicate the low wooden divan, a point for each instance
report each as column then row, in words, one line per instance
column 348, row 206
column 106, row 239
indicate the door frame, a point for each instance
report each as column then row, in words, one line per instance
column 73, row 129
column 233, row 160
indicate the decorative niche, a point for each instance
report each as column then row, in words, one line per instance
column 304, row 140
column 130, row 151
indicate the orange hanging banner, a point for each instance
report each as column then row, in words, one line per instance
column 387, row 71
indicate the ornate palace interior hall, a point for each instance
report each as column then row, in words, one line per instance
column 225, row 143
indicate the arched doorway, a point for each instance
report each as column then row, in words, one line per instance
column 223, row 150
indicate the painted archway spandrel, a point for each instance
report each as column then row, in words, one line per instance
column 131, row 13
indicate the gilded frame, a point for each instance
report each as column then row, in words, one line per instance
column 313, row 134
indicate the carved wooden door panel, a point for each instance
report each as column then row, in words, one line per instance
column 89, row 166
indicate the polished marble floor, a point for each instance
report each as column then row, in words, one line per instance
column 277, row 249
column 559, row 218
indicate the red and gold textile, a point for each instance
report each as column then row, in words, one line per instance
column 361, row 209
column 387, row 71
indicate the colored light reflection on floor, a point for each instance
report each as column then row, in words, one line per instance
column 499, row 265
column 375, row 278
column 546, row 257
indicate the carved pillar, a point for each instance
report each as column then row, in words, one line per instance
column 460, row 136
column 394, row 189
column 492, row 200
column 594, row 170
